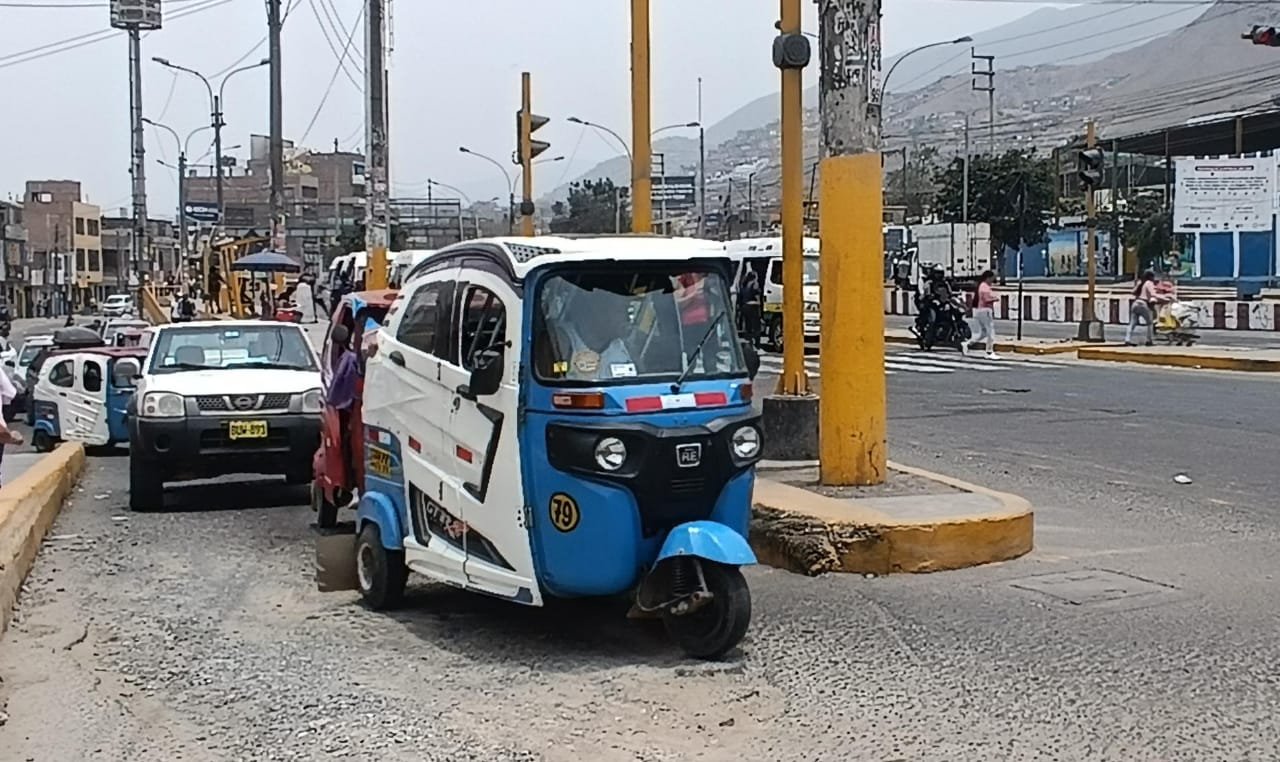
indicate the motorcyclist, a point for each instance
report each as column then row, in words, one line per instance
column 937, row 302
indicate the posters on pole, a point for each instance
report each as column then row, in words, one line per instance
column 1224, row 194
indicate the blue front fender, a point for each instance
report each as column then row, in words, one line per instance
column 377, row 508
column 710, row 540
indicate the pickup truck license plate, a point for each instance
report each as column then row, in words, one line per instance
column 247, row 430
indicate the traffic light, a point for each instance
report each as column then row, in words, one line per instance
column 1263, row 35
column 1089, row 163
column 535, row 146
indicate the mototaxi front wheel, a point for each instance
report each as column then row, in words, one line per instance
column 43, row 441
column 718, row 626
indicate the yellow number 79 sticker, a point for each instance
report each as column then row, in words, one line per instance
column 564, row 512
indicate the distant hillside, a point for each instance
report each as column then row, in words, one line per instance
column 1082, row 33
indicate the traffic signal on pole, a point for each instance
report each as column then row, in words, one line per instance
column 1263, row 35
column 1089, row 163
column 535, row 146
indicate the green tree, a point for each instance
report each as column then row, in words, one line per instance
column 996, row 185
column 592, row 208
column 914, row 185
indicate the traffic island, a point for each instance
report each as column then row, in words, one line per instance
column 1210, row 358
column 917, row 521
column 28, row 506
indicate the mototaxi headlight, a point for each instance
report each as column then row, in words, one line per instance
column 163, row 405
column 611, row 453
column 312, row 401
column 746, row 442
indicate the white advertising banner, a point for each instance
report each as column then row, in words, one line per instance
column 1225, row 194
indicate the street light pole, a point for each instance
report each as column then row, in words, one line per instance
column 884, row 87
column 511, row 187
column 215, row 109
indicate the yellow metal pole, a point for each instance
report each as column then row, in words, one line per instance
column 1091, row 232
column 526, row 154
column 794, row 379
column 641, row 160
column 852, row 406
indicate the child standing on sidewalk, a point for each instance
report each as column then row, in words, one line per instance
column 984, row 313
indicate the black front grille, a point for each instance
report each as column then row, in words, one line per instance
column 210, row 403
column 688, row 487
column 274, row 402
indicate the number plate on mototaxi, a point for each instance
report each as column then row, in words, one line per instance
column 247, row 430
column 379, row 462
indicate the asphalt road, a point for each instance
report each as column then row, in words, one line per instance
column 1141, row 628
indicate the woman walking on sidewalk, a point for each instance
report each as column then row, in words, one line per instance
column 1145, row 299
column 984, row 314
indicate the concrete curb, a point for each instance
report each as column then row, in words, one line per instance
column 1006, row 346
column 807, row 533
column 1180, row 360
column 28, row 506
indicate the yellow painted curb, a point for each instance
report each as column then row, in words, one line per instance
column 802, row 531
column 28, row 506
column 1180, row 360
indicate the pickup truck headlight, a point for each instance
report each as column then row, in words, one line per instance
column 163, row 405
column 312, row 401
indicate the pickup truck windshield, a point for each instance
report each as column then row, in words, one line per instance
column 628, row 326
column 217, row 347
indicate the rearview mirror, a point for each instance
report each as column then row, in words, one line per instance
column 486, row 376
column 752, row 357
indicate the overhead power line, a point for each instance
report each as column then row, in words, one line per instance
column 329, row 88
column 89, row 38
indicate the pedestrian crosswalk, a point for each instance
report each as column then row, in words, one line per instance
column 911, row 360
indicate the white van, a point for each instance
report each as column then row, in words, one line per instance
column 350, row 266
column 764, row 255
column 404, row 262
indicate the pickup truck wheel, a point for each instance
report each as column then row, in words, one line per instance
column 146, row 487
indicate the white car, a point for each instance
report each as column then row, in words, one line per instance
column 117, row 305
column 218, row 398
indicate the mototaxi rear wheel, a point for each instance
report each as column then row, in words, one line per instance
column 717, row 627
column 380, row 573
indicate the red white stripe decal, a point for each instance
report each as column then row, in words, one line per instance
column 463, row 453
column 676, row 401
column 415, row 445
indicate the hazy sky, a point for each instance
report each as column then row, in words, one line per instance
column 455, row 79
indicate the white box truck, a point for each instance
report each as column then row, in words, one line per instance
column 962, row 249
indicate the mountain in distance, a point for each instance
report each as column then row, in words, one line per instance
column 1077, row 34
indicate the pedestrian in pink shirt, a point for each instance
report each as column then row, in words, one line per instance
column 1145, row 299
column 984, row 313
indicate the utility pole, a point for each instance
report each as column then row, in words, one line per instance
column 989, row 88
column 702, row 167
column 376, row 213
column 852, row 408
column 218, row 124
column 641, row 158
column 274, row 23
column 964, row 212
column 182, row 204
column 139, row 170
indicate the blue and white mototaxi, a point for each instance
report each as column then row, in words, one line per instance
column 565, row 417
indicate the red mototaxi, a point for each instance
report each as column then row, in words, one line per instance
column 332, row 487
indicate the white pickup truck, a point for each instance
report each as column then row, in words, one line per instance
column 221, row 397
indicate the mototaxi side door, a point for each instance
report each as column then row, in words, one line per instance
column 82, row 406
column 485, row 489
column 406, row 409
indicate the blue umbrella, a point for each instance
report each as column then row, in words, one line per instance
column 267, row 262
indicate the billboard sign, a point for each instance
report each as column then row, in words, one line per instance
column 201, row 211
column 674, row 191
column 1224, row 194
